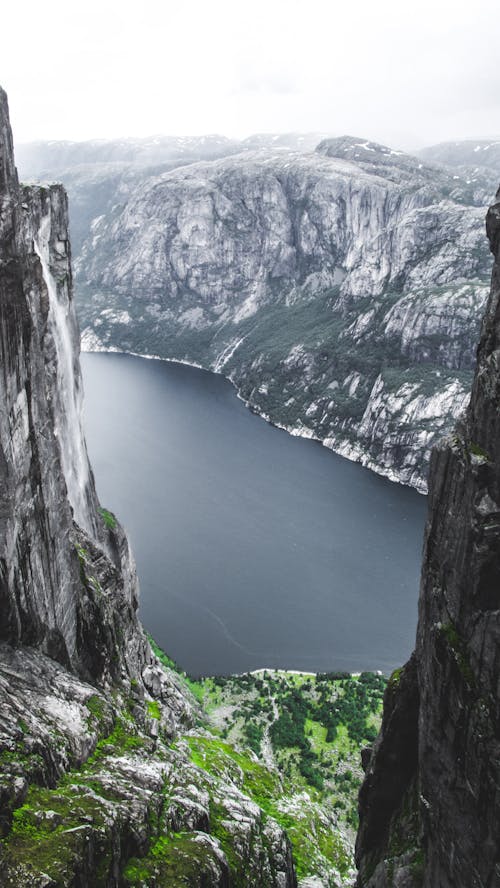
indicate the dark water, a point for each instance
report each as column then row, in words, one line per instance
column 254, row 548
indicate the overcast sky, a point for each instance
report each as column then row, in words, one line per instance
column 403, row 73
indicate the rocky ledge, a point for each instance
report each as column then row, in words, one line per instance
column 100, row 788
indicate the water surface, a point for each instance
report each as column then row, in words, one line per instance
column 254, row 548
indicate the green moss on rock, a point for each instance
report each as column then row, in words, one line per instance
column 458, row 648
column 108, row 518
column 175, row 861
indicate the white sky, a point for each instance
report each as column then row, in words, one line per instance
column 404, row 73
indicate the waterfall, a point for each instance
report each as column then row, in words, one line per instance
column 68, row 401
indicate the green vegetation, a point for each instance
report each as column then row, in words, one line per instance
column 313, row 727
column 174, row 861
column 404, row 838
column 223, row 760
column 194, row 686
column 39, row 838
column 82, row 553
column 458, row 647
column 153, row 708
column 108, row 518
column 290, row 742
column 97, row 708
column 395, row 677
column 90, row 582
column 50, row 830
column 311, row 838
column 476, row 450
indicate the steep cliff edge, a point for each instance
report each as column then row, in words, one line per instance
column 341, row 290
column 430, row 806
column 98, row 783
column 49, row 507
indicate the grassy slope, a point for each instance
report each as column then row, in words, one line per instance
column 295, row 740
column 290, row 742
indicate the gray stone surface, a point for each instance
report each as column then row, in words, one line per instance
column 430, row 805
column 340, row 290
column 49, row 508
column 93, row 770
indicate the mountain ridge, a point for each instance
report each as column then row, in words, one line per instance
column 340, row 290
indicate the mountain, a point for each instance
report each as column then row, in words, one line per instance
column 110, row 774
column 46, row 159
column 471, row 153
column 98, row 786
column 38, row 159
column 429, row 807
column 100, row 173
column 339, row 289
column 116, row 769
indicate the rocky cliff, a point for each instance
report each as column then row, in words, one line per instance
column 340, row 290
column 49, row 503
column 98, row 783
column 430, row 805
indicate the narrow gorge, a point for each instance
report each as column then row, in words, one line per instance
column 112, row 773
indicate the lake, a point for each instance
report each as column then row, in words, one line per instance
column 254, row 548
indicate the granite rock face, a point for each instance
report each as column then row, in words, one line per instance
column 430, row 804
column 49, row 507
column 97, row 783
column 341, row 290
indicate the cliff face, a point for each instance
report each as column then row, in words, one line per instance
column 430, row 805
column 98, row 783
column 49, row 508
column 340, row 290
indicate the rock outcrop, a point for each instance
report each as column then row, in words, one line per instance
column 340, row 290
column 98, row 786
column 50, row 512
column 430, row 804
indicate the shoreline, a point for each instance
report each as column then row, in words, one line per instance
column 271, row 671
column 346, row 451
column 264, row 669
